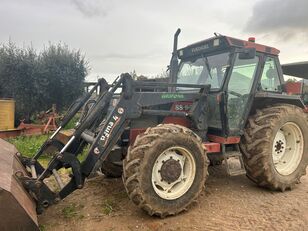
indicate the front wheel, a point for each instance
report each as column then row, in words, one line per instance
column 275, row 146
column 165, row 170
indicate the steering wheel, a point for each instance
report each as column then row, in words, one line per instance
column 235, row 93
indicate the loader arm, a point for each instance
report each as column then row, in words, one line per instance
column 130, row 105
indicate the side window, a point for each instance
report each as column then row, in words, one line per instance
column 242, row 76
column 270, row 77
column 239, row 88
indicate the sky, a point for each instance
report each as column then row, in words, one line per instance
column 119, row 36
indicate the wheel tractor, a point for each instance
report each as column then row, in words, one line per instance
column 225, row 101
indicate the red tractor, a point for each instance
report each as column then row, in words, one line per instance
column 225, row 100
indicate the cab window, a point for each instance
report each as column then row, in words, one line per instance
column 270, row 77
column 208, row 69
column 239, row 88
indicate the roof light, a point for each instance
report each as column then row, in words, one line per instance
column 216, row 42
column 252, row 39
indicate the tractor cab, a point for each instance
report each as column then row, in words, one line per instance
column 235, row 70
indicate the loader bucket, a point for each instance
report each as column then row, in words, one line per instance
column 17, row 208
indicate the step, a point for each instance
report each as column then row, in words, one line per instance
column 234, row 163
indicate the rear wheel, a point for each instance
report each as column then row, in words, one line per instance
column 165, row 170
column 275, row 146
column 112, row 167
column 112, row 170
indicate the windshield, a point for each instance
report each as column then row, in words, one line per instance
column 204, row 70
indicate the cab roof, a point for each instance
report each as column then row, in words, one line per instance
column 223, row 42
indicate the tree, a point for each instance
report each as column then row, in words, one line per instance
column 18, row 68
column 291, row 80
column 37, row 80
column 61, row 75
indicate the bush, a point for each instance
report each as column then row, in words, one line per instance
column 36, row 80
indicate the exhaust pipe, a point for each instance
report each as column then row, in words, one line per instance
column 174, row 60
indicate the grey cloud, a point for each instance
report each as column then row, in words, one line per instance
column 92, row 8
column 285, row 18
column 117, row 56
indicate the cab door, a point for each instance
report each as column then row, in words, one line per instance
column 238, row 92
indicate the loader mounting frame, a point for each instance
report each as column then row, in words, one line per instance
column 131, row 105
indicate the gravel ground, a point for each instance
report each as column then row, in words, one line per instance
column 228, row 203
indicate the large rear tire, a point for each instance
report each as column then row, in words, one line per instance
column 165, row 170
column 111, row 170
column 275, row 146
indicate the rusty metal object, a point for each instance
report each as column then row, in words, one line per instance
column 17, row 208
column 48, row 120
column 10, row 133
column 25, row 130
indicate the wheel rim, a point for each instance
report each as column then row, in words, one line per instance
column 173, row 173
column 288, row 148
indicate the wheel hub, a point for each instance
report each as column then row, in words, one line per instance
column 171, row 170
column 287, row 148
column 173, row 173
column 279, row 147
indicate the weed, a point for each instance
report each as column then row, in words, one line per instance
column 71, row 211
column 109, row 206
column 28, row 145
column 82, row 156
column 72, row 123
column 42, row 227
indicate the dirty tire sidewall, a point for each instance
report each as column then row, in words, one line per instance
column 141, row 190
column 258, row 141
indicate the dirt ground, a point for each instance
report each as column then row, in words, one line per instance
column 228, row 203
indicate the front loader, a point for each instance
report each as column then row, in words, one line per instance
column 225, row 102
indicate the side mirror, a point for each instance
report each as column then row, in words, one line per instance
column 247, row 53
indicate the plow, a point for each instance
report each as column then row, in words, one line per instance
column 225, row 102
